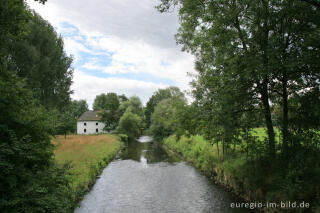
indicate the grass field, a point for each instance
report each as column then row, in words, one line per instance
column 88, row 154
column 261, row 133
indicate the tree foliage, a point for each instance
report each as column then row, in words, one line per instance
column 40, row 59
column 66, row 121
column 108, row 104
column 131, row 114
column 167, row 117
column 252, row 53
column 135, row 105
column 122, row 98
column 78, row 107
column 30, row 180
column 130, row 124
column 157, row 97
column 253, row 59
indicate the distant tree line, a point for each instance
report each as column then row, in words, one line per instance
column 161, row 117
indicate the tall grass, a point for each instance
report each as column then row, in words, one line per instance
column 88, row 155
column 253, row 178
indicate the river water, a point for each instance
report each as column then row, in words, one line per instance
column 145, row 179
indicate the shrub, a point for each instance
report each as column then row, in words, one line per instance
column 130, row 125
column 30, row 181
column 123, row 137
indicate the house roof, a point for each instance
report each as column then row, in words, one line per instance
column 90, row 116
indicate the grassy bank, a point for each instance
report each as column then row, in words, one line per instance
column 253, row 179
column 88, row 155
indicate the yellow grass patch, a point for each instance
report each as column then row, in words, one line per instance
column 89, row 154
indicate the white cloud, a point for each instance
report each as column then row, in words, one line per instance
column 137, row 38
column 145, row 58
column 125, row 19
column 74, row 47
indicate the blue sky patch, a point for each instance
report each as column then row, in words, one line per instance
column 92, row 61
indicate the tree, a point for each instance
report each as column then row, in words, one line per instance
column 130, row 124
column 165, row 118
column 78, row 107
column 109, row 105
column 30, row 180
column 188, row 120
column 266, row 47
column 112, row 102
column 66, row 123
column 157, row 97
column 99, row 102
column 253, row 57
column 14, row 17
column 304, row 110
column 107, row 101
column 135, row 105
column 222, row 101
column 220, row 45
column 40, row 59
column 122, row 98
column 127, row 109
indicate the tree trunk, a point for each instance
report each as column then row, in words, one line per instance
column 247, row 148
column 218, row 149
column 265, row 82
column 223, row 148
column 285, row 122
column 267, row 115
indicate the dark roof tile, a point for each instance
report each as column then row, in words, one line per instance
column 90, row 116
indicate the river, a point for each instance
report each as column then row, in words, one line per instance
column 146, row 179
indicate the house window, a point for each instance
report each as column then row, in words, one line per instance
column 85, row 124
column 96, row 124
column 85, row 130
column 97, row 130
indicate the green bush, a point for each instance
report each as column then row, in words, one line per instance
column 123, row 137
column 164, row 119
column 130, row 124
column 30, row 180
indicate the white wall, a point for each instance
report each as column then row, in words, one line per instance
column 90, row 127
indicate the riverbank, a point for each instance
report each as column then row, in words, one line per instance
column 146, row 178
column 251, row 179
column 88, row 155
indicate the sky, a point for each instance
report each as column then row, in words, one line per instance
column 121, row 46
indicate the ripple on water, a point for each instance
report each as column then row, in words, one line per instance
column 136, row 186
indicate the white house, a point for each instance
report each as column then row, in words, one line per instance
column 89, row 123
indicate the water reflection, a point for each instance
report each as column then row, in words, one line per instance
column 146, row 179
column 144, row 161
column 153, row 152
column 145, row 139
